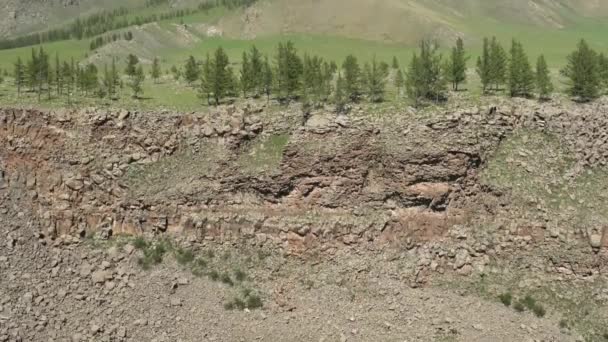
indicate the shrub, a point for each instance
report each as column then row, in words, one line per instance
column 519, row 307
column 213, row 275
column 506, row 298
column 239, row 275
column 140, row 243
column 539, row 310
column 529, row 302
column 184, row 256
column 254, row 301
column 225, row 278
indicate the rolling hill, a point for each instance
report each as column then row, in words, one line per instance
column 331, row 28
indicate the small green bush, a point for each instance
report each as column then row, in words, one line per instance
column 254, row 301
column 140, row 243
column 240, row 275
column 539, row 310
column 506, row 298
column 225, row 278
column 213, row 275
column 529, row 302
column 184, row 256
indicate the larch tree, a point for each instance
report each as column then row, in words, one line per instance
column 156, row 72
column 456, row 66
column 352, row 78
column 521, row 76
column 544, row 85
column 582, row 73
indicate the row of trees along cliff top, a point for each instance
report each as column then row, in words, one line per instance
column 315, row 81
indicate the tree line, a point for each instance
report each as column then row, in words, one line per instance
column 428, row 76
column 55, row 78
column 110, row 20
column 107, row 39
column 288, row 75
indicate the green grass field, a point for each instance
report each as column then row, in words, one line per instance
column 554, row 43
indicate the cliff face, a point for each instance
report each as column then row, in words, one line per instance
column 324, row 214
column 238, row 174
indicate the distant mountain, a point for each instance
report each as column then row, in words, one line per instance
column 399, row 21
column 407, row 21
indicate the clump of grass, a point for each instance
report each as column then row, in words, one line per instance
column 184, row 256
column 529, row 302
column 236, row 303
column 254, row 301
column 248, row 300
column 262, row 255
column 240, row 275
column 153, row 254
column 539, row 311
column 214, row 275
column 210, row 254
column 225, row 278
column 506, row 298
column 140, row 243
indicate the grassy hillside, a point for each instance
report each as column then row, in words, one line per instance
column 331, row 28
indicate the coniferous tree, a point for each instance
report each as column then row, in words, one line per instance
column 456, row 67
column 603, row 69
column 176, row 73
column 483, row 66
column 131, row 68
column 32, row 70
column 426, row 77
column 375, row 76
column 498, row 64
column 399, row 82
column 115, row 78
column 247, row 82
column 206, row 80
column 155, row 73
column 90, row 79
column 42, row 71
column 395, row 64
column 50, row 81
column 223, row 78
column 73, row 75
column 67, row 75
column 339, row 94
column 352, row 78
column 521, row 76
column 107, row 82
column 543, row 79
column 414, row 86
column 267, row 79
column 582, row 72
column 256, row 70
column 327, row 77
column 19, row 75
column 137, row 81
column 312, row 79
column 58, row 75
column 289, row 69
column 191, row 70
